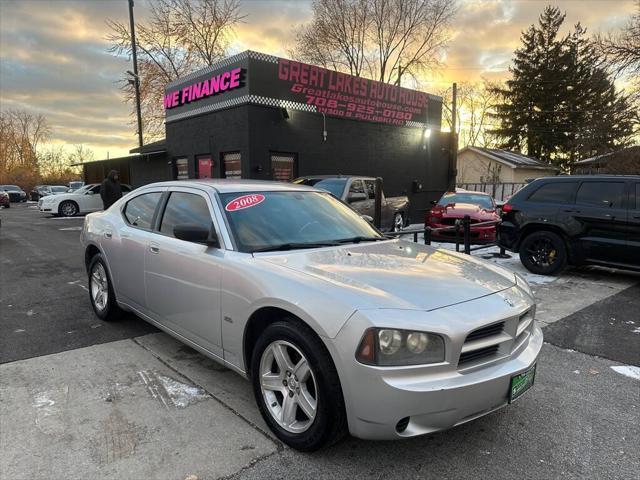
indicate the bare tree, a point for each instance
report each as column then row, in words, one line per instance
column 385, row 40
column 179, row 37
column 473, row 117
column 21, row 133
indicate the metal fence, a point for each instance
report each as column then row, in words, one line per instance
column 499, row 191
column 462, row 229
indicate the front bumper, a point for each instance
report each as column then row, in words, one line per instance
column 434, row 397
column 478, row 235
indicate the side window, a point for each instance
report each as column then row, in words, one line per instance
column 96, row 189
column 370, row 187
column 185, row 209
column 139, row 211
column 554, row 192
column 125, row 188
column 637, row 196
column 601, row 194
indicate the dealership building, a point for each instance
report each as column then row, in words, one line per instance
column 258, row 116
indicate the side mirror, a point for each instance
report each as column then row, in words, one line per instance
column 368, row 218
column 196, row 234
column 357, row 197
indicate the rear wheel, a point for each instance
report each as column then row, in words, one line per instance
column 398, row 222
column 68, row 208
column 101, row 293
column 543, row 253
column 296, row 386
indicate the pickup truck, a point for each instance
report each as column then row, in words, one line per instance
column 360, row 194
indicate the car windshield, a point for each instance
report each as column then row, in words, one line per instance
column 10, row 188
column 479, row 199
column 59, row 189
column 83, row 189
column 262, row 221
column 75, row 185
column 332, row 185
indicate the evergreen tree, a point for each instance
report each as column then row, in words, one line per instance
column 560, row 106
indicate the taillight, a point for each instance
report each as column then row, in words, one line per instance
column 506, row 208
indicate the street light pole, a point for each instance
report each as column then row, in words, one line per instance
column 136, row 78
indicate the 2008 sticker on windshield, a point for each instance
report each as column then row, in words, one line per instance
column 246, row 201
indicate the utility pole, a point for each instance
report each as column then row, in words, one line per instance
column 453, row 159
column 136, row 78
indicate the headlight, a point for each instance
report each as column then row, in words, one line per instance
column 392, row 347
column 523, row 284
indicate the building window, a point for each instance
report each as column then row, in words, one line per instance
column 232, row 165
column 283, row 167
column 204, row 166
column 182, row 168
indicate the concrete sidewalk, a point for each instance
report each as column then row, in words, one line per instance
column 116, row 411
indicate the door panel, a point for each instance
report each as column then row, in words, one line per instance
column 633, row 232
column 183, row 278
column 600, row 210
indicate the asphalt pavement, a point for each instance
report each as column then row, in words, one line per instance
column 80, row 398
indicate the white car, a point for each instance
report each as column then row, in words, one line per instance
column 84, row 200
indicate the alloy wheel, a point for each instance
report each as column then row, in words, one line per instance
column 99, row 287
column 542, row 252
column 398, row 222
column 288, row 386
column 68, row 209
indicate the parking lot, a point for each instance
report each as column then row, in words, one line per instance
column 80, row 398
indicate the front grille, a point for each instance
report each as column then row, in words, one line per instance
column 474, row 355
column 484, row 332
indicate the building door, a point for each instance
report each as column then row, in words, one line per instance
column 284, row 167
column 232, row 164
column 204, row 164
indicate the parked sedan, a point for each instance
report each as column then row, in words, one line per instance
column 454, row 206
column 84, row 200
column 16, row 194
column 337, row 327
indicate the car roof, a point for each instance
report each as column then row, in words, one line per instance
column 560, row 178
column 237, row 185
column 325, row 177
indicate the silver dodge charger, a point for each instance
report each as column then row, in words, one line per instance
column 337, row 327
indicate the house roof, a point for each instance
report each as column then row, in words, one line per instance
column 510, row 159
column 610, row 156
column 158, row 146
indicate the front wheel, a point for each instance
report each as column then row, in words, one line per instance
column 398, row 222
column 68, row 209
column 296, row 386
column 543, row 253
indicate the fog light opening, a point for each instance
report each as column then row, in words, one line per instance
column 401, row 426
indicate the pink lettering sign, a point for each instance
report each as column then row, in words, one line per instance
column 217, row 84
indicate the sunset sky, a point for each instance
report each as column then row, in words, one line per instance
column 54, row 59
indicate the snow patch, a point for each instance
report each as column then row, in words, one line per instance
column 169, row 391
column 627, row 371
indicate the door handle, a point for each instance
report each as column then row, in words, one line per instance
column 154, row 248
column 609, row 216
column 108, row 234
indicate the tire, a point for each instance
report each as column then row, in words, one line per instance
column 398, row 222
column 320, row 386
column 68, row 209
column 106, row 309
column 543, row 253
column 8, row 205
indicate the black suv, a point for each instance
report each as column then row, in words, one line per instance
column 577, row 220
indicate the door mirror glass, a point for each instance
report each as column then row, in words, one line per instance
column 195, row 234
column 356, row 197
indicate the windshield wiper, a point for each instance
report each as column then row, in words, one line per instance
column 294, row 246
column 361, row 239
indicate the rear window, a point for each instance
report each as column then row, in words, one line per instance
column 554, row 192
column 139, row 211
column 601, row 194
column 332, row 185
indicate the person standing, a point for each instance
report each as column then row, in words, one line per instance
column 110, row 191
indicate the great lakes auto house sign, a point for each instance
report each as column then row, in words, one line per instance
column 260, row 79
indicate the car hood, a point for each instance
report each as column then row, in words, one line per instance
column 462, row 209
column 398, row 274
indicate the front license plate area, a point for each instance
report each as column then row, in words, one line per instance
column 521, row 383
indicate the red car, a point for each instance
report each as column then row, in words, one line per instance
column 454, row 206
